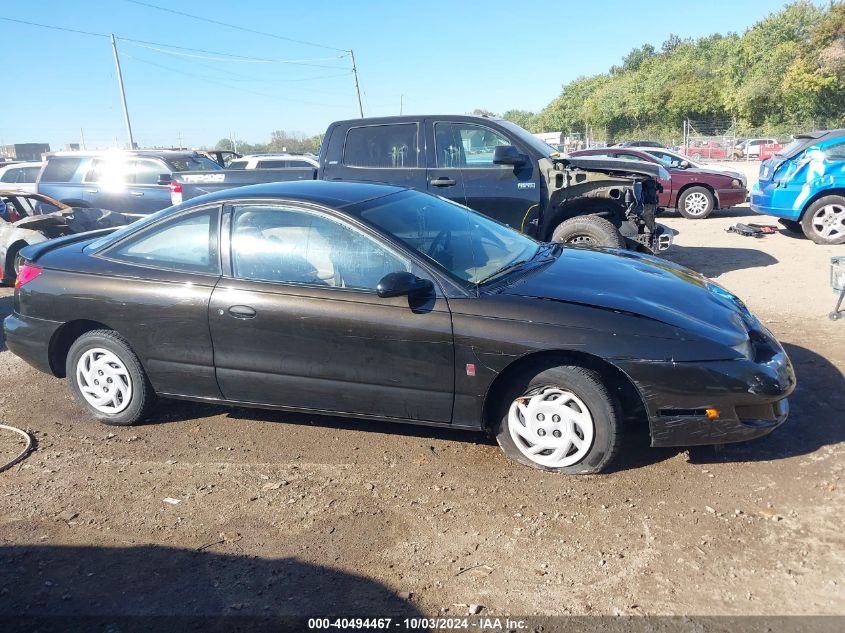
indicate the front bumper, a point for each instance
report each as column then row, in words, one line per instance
column 29, row 338
column 731, row 197
column 750, row 398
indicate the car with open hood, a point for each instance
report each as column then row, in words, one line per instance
column 30, row 218
column 381, row 302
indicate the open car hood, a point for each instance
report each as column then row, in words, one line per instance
column 76, row 219
column 614, row 166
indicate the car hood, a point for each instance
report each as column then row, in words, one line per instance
column 642, row 285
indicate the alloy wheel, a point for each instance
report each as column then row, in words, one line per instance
column 551, row 427
column 829, row 221
column 104, row 380
column 696, row 203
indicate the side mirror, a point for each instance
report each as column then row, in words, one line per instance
column 402, row 283
column 508, row 155
column 164, row 179
column 684, row 164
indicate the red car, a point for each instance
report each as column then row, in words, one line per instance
column 694, row 190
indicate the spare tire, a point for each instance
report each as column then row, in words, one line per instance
column 588, row 230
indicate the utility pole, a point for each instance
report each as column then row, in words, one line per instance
column 232, row 140
column 82, row 135
column 401, row 104
column 122, row 93
column 357, row 87
column 179, row 136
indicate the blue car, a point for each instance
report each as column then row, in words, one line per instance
column 804, row 185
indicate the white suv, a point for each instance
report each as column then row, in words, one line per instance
column 20, row 176
column 273, row 161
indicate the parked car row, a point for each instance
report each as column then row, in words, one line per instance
column 694, row 191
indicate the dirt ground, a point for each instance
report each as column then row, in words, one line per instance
column 208, row 510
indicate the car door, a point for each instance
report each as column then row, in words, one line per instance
column 105, row 184
column 461, row 168
column 297, row 321
column 388, row 153
column 146, row 195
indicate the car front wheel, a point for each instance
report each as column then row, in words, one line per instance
column 696, row 203
column 561, row 419
column 107, row 378
column 588, row 230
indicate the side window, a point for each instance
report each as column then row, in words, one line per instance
column 628, row 156
column 29, row 174
column 60, row 169
column 271, row 164
column 299, row 163
column 382, row 146
column 147, row 172
column 466, row 145
column 10, row 175
column 835, row 152
column 186, row 243
column 286, row 245
column 238, row 164
column 109, row 172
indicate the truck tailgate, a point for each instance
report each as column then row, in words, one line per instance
column 197, row 183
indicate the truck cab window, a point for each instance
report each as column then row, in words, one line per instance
column 382, row 146
column 466, row 145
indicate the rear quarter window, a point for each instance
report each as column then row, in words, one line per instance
column 10, row 175
column 238, row 164
column 60, row 169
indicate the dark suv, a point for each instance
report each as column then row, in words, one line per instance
column 133, row 182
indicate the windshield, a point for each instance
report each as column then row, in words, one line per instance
column 467, row 244
column 193, row 163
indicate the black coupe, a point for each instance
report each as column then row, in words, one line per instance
column 380, row 302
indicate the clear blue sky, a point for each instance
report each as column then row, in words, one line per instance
column 447, row 57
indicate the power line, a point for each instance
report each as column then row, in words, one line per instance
column 233, row 26
column 55, row 28
column 171, row 46
column 223, row 57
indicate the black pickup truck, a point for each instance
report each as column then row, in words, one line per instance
column 488, row 164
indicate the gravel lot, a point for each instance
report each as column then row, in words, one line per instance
column 207, row 510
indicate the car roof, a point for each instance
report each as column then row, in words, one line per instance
column 23, row 164
column 156, row 153
column 331, row 193
column 416, row 119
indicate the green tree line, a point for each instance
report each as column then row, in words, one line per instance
column 280, row 141
column 784, row 74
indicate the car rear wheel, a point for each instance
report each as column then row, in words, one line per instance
column 562, row 419
column 588, row 230
column 696, row 203
column 107, row 378
column 824, row 221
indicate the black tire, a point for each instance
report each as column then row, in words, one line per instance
column 587, row 386
column 142, row 395
column 10, row 272
column 813, row 222
column 696, row 203
column 793, row 226
column 588, row 230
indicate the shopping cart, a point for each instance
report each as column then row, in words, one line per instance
column 837, row 282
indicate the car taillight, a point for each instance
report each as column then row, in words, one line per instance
column 27, row 273
column 175, row 192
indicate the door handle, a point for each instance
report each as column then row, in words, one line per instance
column 137, row 194
column 443, row 181
column 92, row 191
column 242, row 312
